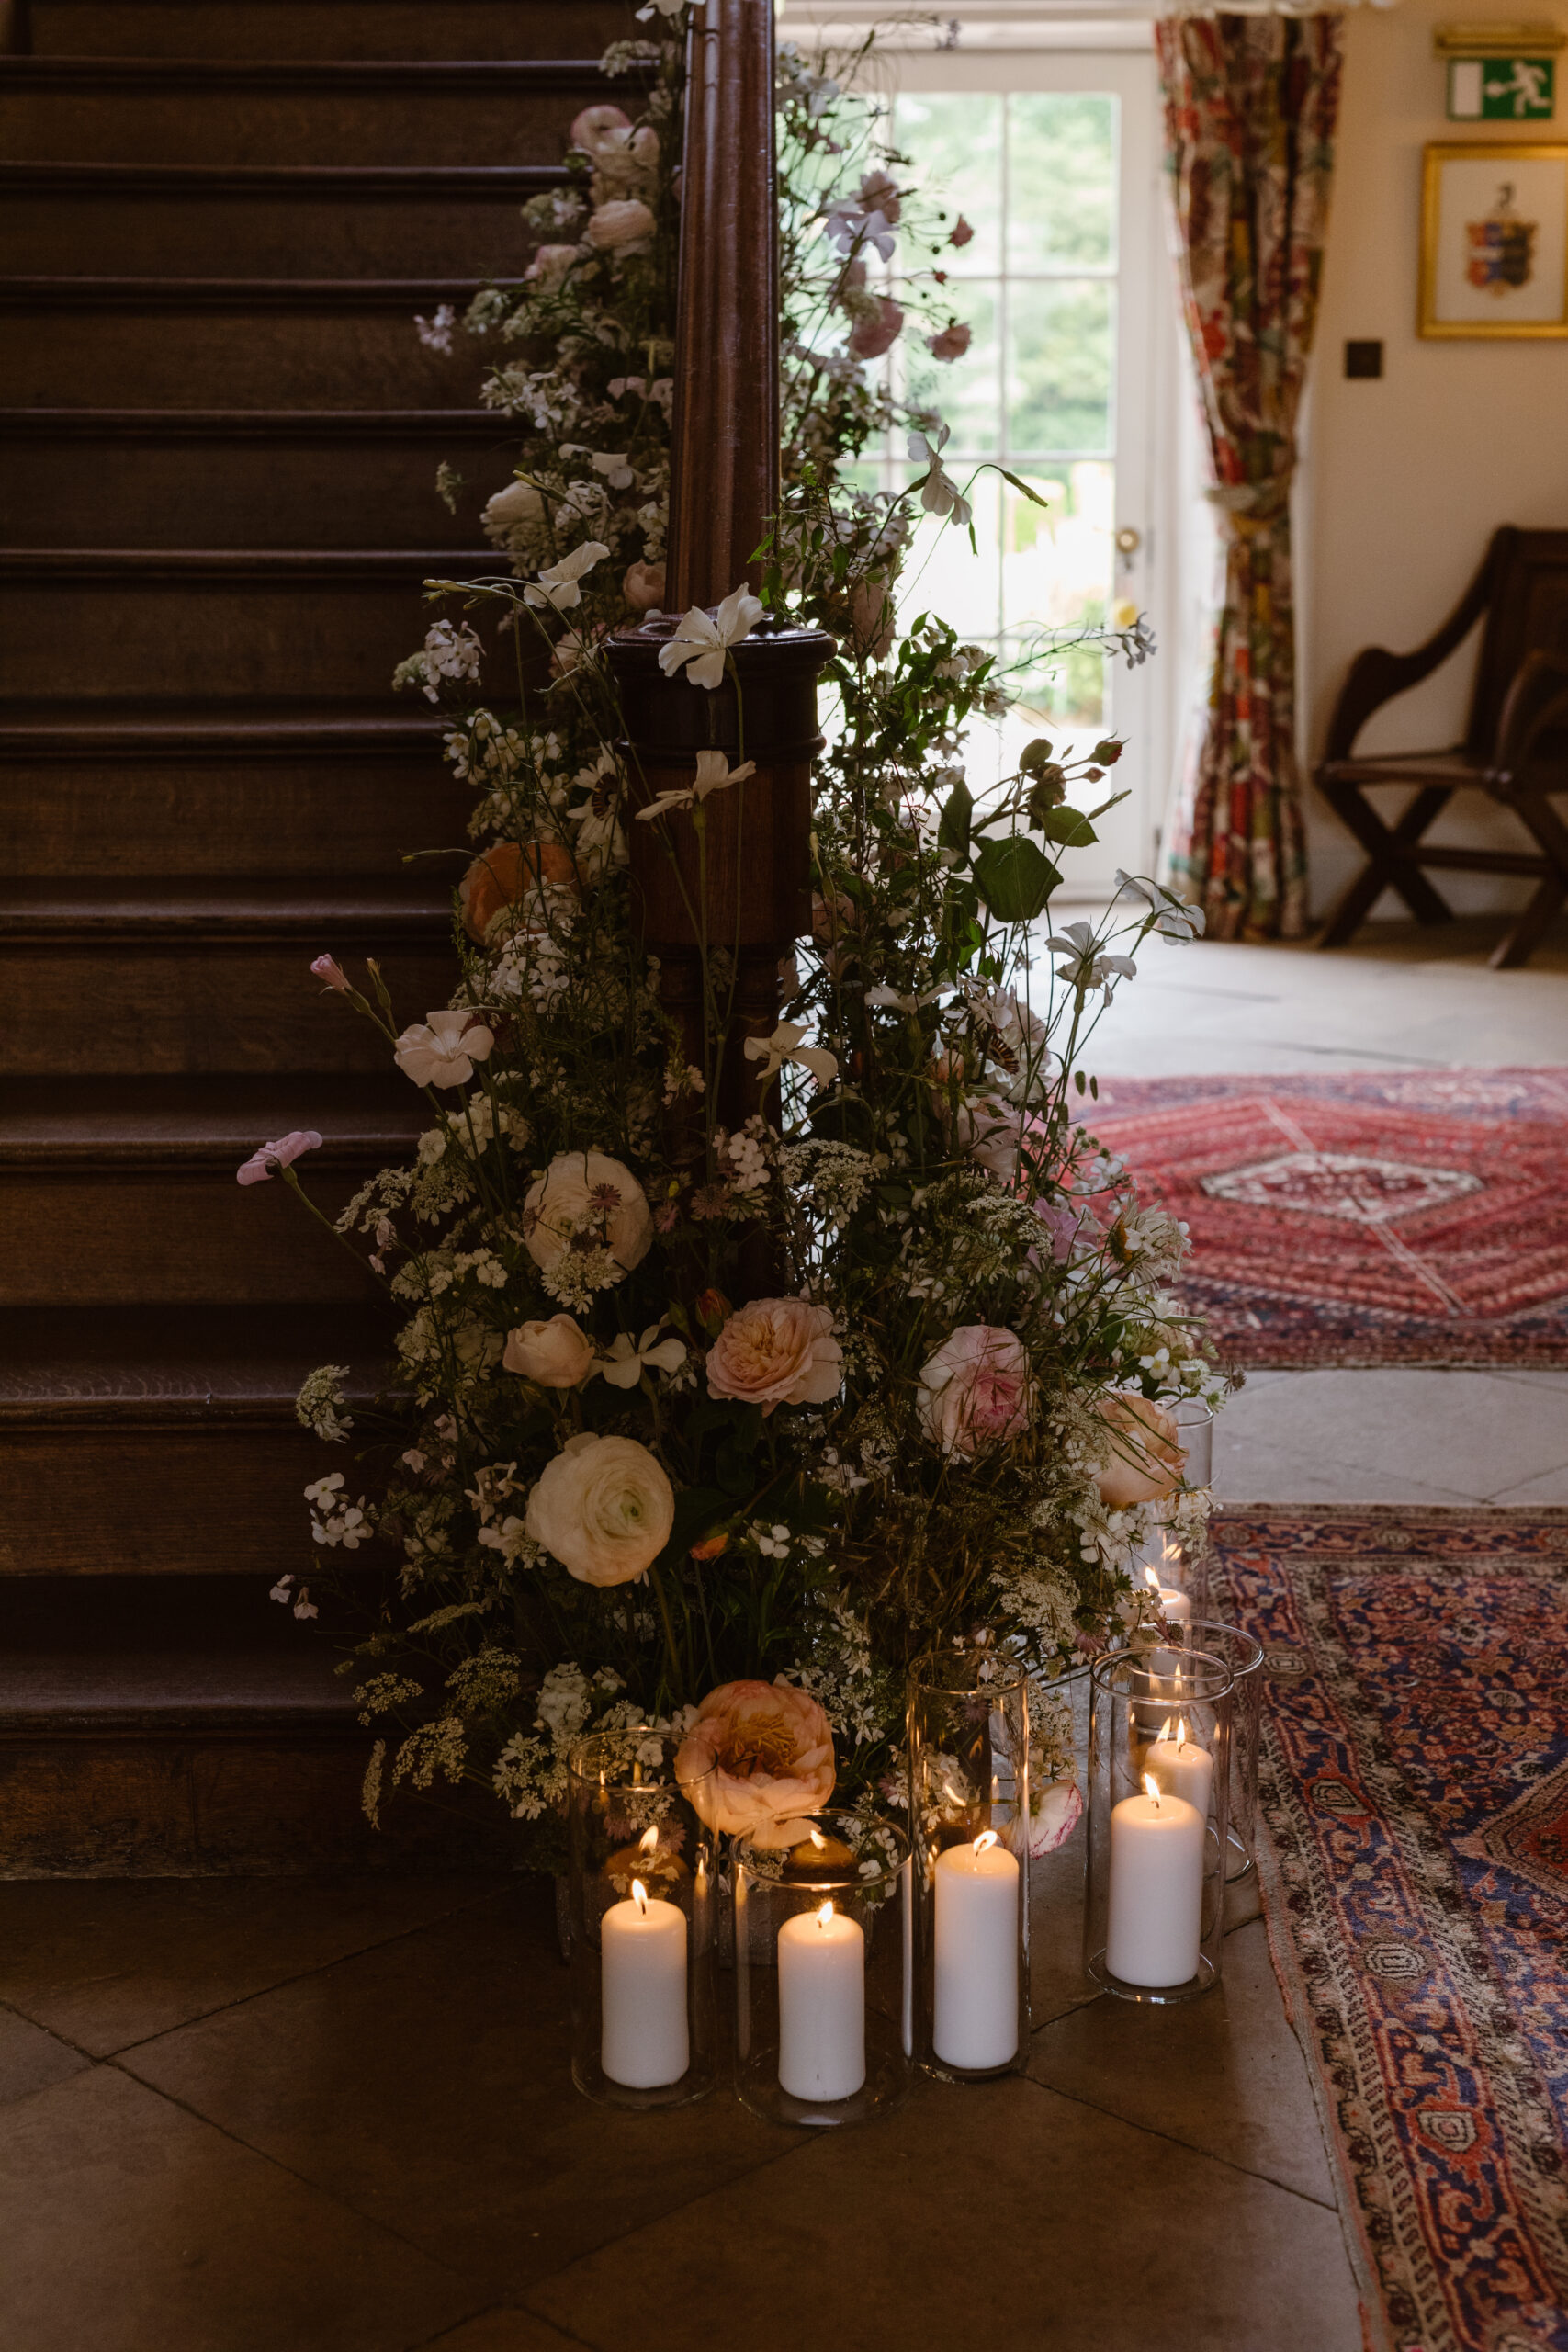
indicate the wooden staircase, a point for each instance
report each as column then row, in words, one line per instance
column 220, row 430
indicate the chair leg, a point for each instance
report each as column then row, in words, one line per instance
column 1542, row 822
column 1388, row 866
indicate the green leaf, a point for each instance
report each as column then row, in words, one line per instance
column 1065, row 825
column 957, row 811
column 1016, row 879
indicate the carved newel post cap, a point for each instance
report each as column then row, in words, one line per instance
column 671, row 719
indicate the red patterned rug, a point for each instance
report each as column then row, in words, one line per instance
column 1414, row 1787
column 1413, row 1217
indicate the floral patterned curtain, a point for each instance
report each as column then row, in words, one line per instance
column 1250, row 105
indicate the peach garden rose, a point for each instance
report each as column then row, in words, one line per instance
column 776, row 1352
column 770, row 1749
column 1144, row 1457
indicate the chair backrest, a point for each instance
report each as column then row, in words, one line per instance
column 1526, row 611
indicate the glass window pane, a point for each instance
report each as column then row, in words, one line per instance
column 1058, row 562
column 965, row 393
column 1059, row 365
column 942, row 576
column 1061, row 180
column 955, row 142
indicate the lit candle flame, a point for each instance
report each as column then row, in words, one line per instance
column 648, row 1843
column 1151, row 1789
column 825, row 1917
column 1152, row 1577
column 816, row 1839
column 639, row 1894
column 1168, row 1550
column 1181, row 1732
column 1165, row 1728
column 986, row 1839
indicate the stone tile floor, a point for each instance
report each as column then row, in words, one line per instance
column 303, row 2117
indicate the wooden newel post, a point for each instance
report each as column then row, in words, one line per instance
column 755, row 896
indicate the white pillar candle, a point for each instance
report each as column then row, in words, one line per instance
column 642, row 2030
column 1182, row 1767
column 821, row 2005
column 975, row 2024
column 1156, row 1888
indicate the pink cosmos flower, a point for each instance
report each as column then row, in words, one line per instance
column 961, row 232
column 327, row 967
column 872, row 337
column 951, row 343
column 776, row 1352
column 770, row 1751
column 268, row 1158
column 974, row 1390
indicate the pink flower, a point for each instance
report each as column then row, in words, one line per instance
column 643, row 586
column 1063, row 1224
column 549, row 267
column 557, row 1354
column 1145, row 1458
column 595, row 127
column 776, row 1352
column 327, row 967
column 951, row 343
column 961, row 232
column 624, row 226
column 771, row 1752
column 872, row 337
column 974, row 1390
column 878, row 193
column 1054, row 1814
column 268, row 1158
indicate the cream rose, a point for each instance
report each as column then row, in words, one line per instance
column 587, row 1192
column 1144, row 1458
column 624, row 227
column 975, row 1389
column 557, row 1354
column 604, row 1508
column 776, row 1352
column 516, row 511
column 770, row 1751
column 549, row 265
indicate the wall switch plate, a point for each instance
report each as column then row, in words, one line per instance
column 1364, row 359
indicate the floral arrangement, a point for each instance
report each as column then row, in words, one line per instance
column 620, row 1491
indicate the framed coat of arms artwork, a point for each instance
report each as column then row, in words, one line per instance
column 1494, row 239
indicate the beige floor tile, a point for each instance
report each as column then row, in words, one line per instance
column 1392, row 1434
column 130, row 2226
column 1223, row 2073
column 1003, row 2216
column 105, row 1963
column 1551, row 1488
column 426, row 2083
column 31, row 2059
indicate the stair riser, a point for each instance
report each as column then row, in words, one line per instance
column 328, row 28
column 261, row 236
column 308, row 817
column 135, row 1238
column 473, row 125
column 139, row 1009
column 317, row 358
column 115, row 638
column 253, row 493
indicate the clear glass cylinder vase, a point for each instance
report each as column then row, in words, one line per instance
column 1159, row 1808
column 642, row 1902
column 822, row 1971
column 1244, row 1656
column 969, row 1823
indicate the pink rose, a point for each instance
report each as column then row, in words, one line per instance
column 622, row 227
column 1145, row 1458
column 595, row 127
column 268, row 1158
column 974, row 1390
column 776, row 1352
column 557, row 1354
column 771, row 1753
column 951, row 343
column 872, row 337
column 549, row 267
column 643, row 586
column 1054, row 1812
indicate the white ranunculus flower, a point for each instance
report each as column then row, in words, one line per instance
column 604, row 1508
column 441, row 1049
column 699, row 644
column 517, row 508
column 624, row 227
column 587, row 1192
column 557, row 1353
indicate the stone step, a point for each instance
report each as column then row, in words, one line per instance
column 354, row 221
column 320, row 624
column 197, row 111
column 327, row 28
column 197, row 789
column 247, row 478
column 169, row 978
column 232, row 342
column 122, row 1192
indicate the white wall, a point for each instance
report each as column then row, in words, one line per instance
column 1407, row 477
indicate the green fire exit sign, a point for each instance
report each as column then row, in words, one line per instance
column 1502, row 89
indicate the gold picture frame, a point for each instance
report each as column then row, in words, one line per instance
column 1493, row 240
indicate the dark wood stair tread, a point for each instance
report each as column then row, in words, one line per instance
column 124, row 1364
column 340, row 183
column 193, row 1122
column 150, row 1693
column 241, row 293
column 323, row 565
column 436, row 76
column 65, row 909
column 354, row 426
column 153, row 729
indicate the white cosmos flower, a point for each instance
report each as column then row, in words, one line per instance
column 661, row 8
column 784, row 1045
column 713, row 771
column 1174, row 917
column 698, row 647
column 624, row 1366
column 890, row 998
column 613, row 468
column 939, row 494
column 441, row 1049
column 557, row 586
column 1086, row 968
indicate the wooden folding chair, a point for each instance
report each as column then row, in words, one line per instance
column 1515, row 749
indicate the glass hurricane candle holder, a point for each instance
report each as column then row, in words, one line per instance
column 969, row 1823
column 642, row 1896
column 822, row 1970
column 1244, row 1656
column 1159, row 1799
column 1174, row 1557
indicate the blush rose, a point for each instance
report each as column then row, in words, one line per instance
column 771, row 1752
column 974, row 1390
column 1144, row 1458
column 776, row 1352
column 557, row 1353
